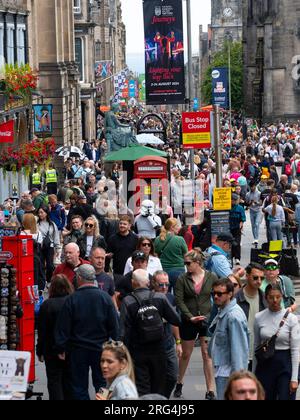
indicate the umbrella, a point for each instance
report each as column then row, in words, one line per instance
column 149, row 139
column 133, row 153
column 70, row 151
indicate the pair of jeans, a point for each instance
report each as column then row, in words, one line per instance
column 81, row 360
column 172, row 371
column 276, row 231
column 221, row 384
column 173, row 276
column 255, row 217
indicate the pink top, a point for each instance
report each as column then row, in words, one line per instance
column 198, row 287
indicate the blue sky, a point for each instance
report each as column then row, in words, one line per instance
column 133, row 19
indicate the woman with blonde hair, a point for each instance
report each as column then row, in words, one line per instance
column 91, row 238
column 171, row 250
column 276, row 218
column 117, row 369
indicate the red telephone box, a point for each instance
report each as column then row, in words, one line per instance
column 151, row 180
column 21, row 247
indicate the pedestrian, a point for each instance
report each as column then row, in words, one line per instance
column 252, row 300
column 146, row 246
column 50, row 246
column 143, row 333
column 171, row 250
column 253, row 201
column 172, row 341
column 91, row 238
column 117, row 370
column 244, row 386
column 56, row 369
column 276, row 219
column 57, row 213
column 229, row 345
column 105, row 282
column 51, row 179
column 237, row 218
column 87, row 320
column 278, row 374
column 147, row 223
column 193, row 299
column 121, row 245
column 72, row 261
column 272, row 276
column 76, row 231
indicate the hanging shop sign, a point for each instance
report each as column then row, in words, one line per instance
column 43, row 117
column 196, row 130
column 7, row 132
column 164, row 52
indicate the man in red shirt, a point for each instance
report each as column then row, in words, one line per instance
column 72, row 261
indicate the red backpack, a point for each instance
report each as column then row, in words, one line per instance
column 288, row 170
column 298, row 167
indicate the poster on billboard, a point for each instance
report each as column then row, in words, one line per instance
column 220, row 87
column 142, row 88
column 164, row 52
column 43, row 115
column 132, row 86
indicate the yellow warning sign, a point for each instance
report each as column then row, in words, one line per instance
column 222, row 199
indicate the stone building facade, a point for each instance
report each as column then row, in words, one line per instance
column 272, row 59
column 226, row 18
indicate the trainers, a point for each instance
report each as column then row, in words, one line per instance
column 178, row 391
column 210, row 396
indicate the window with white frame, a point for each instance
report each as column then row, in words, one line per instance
column 77, row 6
column 21, row 34
column 10, row 43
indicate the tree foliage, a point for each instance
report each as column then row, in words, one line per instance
column 220, row 59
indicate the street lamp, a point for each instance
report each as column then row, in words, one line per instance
column 229, row 39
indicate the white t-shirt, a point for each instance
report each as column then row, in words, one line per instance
column 254, row 309
column 89, row 245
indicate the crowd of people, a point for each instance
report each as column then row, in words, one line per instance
column 130, row 292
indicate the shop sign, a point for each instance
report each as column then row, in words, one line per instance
column 7, row 132
column 196, row 130
column 5, row 256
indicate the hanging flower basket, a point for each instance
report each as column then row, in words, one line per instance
column 18, row 81
column 26, row 156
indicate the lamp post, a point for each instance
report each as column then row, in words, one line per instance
column 229, row 40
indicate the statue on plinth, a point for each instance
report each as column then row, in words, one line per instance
column 117, row 135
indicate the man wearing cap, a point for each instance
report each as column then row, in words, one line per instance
column 218, row 258
column 237, row 218
column 272, row 276
column 38, row 198
column 87, row 320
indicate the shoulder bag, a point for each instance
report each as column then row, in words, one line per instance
column 266, row 350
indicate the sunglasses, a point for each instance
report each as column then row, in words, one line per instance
column 219, row 294
column 164, row 285
column 89, row 225
column 235, row 285
column 113, row 343
column 271, row 267
column 146, row 244
column 188, row 263
column 255, row 278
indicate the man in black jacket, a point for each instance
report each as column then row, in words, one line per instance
column 150, row 359
column 251, row 299
column 88, row 319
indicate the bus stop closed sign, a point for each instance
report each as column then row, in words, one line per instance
column 196, row 130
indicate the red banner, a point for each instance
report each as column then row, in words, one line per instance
column 7, row 132
column 196, row 127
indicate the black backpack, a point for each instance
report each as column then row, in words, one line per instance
column 148, row 322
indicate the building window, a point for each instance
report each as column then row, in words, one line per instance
column 77, row 7
column 10, row 43
column 79, row 53
column 21, row 34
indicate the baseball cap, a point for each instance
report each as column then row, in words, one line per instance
column 271, row 265
column 139, row 255
column 225, row 237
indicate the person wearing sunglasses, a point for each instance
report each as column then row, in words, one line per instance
column 193, row 299
column 252, row 300
column 146, row 246
column 160, row 284
column 229, row 345
column 272, row 276
column 91, row 238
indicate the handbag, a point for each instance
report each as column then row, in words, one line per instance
column 266, row 350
